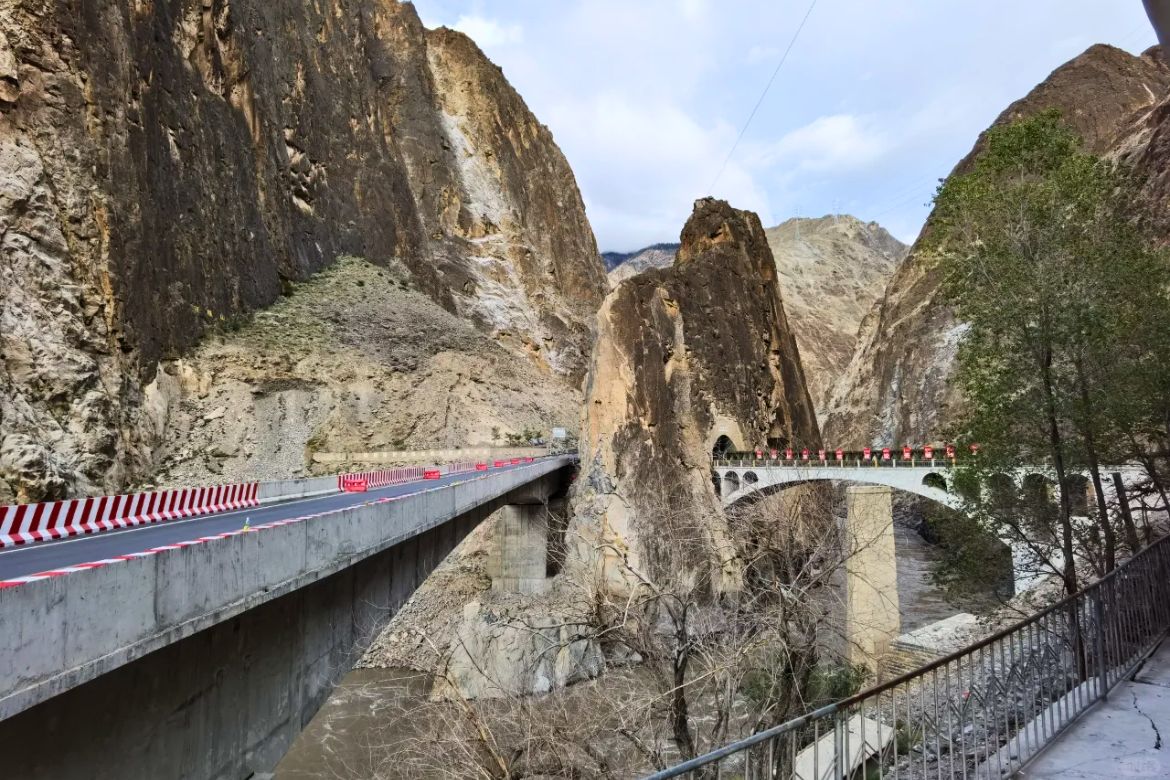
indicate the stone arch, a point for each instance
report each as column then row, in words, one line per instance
column 726, row 428
column 1036, row 487
column 723, row 446
column 750, row 478
column 730, row 484
column 966, row 486
column 1038, row 501
column 1002, row 494
column 935, row 480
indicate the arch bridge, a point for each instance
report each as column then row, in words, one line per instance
column 741, row 477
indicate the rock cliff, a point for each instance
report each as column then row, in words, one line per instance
column 168, row 167
column 686, row 355
column 896, row 388
column 831, row 270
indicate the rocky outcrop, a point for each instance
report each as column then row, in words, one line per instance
column 830, row 269
column 166, row 167
column 356, row 359
column 685, row 356
column 896, row 388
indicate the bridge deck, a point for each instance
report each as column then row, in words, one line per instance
column 44, row 556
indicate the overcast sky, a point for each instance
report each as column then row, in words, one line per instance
column 876, row 101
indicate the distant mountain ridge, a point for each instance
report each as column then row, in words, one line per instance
column 614, row 259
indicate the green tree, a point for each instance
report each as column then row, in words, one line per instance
column 1048, row 263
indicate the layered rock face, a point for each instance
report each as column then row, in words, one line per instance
column 356, row 359
column 896, row 388
column 831, row 270
column 684, row 356
column 164, row 167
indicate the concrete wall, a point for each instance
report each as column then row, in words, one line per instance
column 872, row 619
column 429, row 456
column 61, row 632
column 284, row 489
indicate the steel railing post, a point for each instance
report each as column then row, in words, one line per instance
column 1102, row 668
column 839, row 759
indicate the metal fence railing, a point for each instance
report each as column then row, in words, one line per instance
column 984, row 711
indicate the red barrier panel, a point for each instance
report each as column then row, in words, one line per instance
column 481, row 467
column 515, row 461
column 355, row 484
column 432, row 474
column 23, row 523
column 500, row 464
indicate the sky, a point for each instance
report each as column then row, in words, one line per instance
column 875, row 102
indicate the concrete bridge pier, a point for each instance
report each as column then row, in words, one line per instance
column 518, row 561
column 872, row 617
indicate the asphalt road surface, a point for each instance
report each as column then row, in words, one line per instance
column 43, row 556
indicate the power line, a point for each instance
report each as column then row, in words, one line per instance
column 764, row 94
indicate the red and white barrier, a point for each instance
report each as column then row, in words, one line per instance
column 23, row 523
column 375, row 479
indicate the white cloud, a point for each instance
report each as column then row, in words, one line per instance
column 837, row 143
column 488, row 33
column 666, row 160
column 874, row 103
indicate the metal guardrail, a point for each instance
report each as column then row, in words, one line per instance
column 984, row 711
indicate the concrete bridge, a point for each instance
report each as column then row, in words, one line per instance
column 201, row 647
column 742, row 478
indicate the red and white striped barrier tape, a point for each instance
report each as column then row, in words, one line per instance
column 24, row 523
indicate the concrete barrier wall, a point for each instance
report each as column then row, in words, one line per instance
column 429, row 456
column 64, row 631
column 297, row 488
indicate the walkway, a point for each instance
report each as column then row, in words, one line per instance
column 1124, row 737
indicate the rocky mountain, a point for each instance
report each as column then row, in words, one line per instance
column 685, row 356
column 626, row 265
column 167, row 168
column 896, row 387
column 831, row 270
